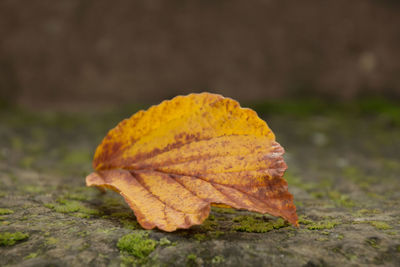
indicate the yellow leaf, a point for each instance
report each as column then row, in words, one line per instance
column 175, row 159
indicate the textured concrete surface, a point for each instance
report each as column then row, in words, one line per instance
column 344, row 168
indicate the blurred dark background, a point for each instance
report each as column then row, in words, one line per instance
column 86, row 53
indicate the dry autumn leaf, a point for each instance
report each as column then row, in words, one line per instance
column 174, row 160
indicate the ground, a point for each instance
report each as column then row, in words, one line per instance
column 344, row 167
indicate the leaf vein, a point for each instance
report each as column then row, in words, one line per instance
column 212, row 183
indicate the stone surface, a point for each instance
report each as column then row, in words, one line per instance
column 344, row 169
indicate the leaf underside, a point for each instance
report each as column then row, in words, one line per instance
column 175, row 159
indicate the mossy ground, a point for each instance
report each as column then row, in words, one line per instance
column 344, row 167
column 9, row 239
column 137, row 244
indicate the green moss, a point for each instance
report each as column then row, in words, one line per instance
column 322, row 225
column 84, row 246
column 341, row 199
column 32, row 189
column 127, row 260
column 200, row 237
column 378, row 224
column 130, row 224
column 304, row 220
column 31, row 256
column 218, row 259
column 137, row 244
column 298, row 203
column 51, row 241
column 165, row 242
column 351, row 256
column 81, row 215
column 9, row 239
column 223, row 210
column 216, row 234
column 72, row 206
column 368, row 212
column 6, row 211
column 191, row 260
column 256, row 225
column 208, row 235
column 210, row 223
column 191, row 257
column 373, row 242
column 82, row 234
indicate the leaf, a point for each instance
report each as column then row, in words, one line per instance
column 175, row 159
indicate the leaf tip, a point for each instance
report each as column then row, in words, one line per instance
column 93, row 179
